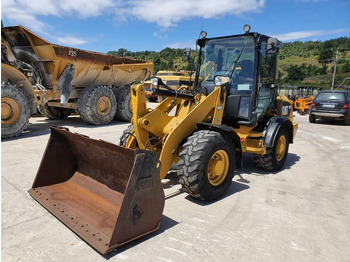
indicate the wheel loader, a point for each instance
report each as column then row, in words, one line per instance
column 110, row 195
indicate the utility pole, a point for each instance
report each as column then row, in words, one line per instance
column 335, row 68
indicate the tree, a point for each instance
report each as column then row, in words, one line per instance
column 346, row 67
column 295, row 73
column 327, row 54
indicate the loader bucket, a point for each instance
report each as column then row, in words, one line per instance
column 106, row 194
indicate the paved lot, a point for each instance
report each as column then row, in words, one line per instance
column 299, row 214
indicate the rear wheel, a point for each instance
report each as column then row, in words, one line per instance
column 276, row 155
column 124, row 106
column 347, row 121
column 312, row 119
column 97, row 105
column 206, row 165
column 15, row 111
column 54, row 113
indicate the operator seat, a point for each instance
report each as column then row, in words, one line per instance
column 239, row 99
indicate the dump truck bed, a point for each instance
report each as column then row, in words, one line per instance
column 22, row 39
column 91, row 68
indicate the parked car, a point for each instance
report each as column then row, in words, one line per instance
column 331, row 105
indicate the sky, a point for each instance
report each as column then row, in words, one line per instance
column 139, row 25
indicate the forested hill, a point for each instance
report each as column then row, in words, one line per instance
column 300, row 63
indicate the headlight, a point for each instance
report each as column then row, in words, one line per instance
column 246, row 28
column 154, row 81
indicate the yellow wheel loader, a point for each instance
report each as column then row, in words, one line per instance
column 110, row 195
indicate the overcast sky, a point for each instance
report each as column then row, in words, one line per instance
column 138, row 25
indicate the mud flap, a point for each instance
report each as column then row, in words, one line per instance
column 106, row 194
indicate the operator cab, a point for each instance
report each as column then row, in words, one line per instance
column 248, row 63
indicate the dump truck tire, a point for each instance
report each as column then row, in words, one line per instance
column 15, row 112
column 97, row 105
column 124, row 109
column 276, row 155
column 54, row 113
column 207, row 165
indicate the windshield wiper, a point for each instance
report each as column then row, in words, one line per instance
column 235, row 63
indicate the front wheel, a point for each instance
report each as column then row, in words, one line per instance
column 276, row 155
column 126, row 135
column 15, row 111
column 207, row 165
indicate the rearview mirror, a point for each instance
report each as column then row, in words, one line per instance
column 187, row 54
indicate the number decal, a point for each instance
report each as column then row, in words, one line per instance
column 72, row 53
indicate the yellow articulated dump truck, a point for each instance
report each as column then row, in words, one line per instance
column 112, row 194
column 60, row 80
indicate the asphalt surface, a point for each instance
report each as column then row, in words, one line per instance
column 301, row 213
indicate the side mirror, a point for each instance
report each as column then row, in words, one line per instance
column 272, row 46
column 187, row 54
column 221, row 80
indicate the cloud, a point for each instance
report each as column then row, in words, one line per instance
column 28, row 13
column 181, row 45
column 85, row 8
column 70, row 40
column 18, row 13
column 166, row 13
column 307, row 34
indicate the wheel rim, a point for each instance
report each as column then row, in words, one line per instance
column 10, row 111
column 104, row 105
column 218, row 167
column 281, row 148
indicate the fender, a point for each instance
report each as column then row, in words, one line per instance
column 13, row 75
column 273, row 126
column 228, row 131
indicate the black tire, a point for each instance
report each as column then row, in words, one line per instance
column 152, row 99
column 97, row 105
column 15, row 111
column 276, row 155
column 301, row 112
column 123, row 97
column 196, row 160
column 312, row 119
column 126, row 133
column 347, row 121
column 54, row 113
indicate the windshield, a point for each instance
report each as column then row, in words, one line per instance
column 224, row 56
column 329, row 96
